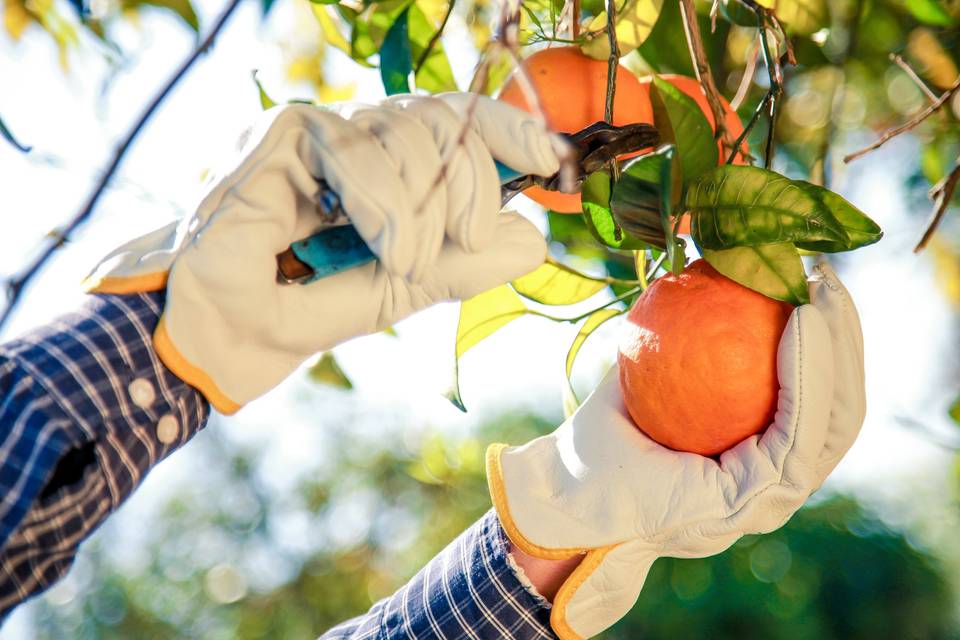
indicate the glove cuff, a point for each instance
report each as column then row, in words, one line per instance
column 498, row 493
column 190, row 373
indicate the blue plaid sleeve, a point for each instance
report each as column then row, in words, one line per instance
column 86, row 410
column 468, row 591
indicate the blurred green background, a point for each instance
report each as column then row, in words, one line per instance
column 323, row 498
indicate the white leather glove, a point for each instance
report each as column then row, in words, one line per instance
column 415, row 175
column 599, row 486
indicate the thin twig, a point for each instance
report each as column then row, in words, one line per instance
column 909, row 124
column 16, row 286
column 434, row 39
column 747, row 79
column 613, row 60
column 903, row 64
column 941, row 194
column 575, row 20
column 702, row 68
column 776, row 88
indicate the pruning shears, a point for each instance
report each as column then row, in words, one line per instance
column 339, row 248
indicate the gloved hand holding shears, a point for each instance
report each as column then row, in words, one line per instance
column 417, row 179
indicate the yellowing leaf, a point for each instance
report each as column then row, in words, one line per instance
column 481, row 316
column 327, row 371
column 330, row 28
column 15, row 18
column 557, row 284
column 594, row 320
column 802, row 17
column 634, row 23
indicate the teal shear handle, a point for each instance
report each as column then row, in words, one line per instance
column 340, row 248
column 337, row 249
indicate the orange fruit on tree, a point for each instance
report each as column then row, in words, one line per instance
column 698, row 361
column 572, row 90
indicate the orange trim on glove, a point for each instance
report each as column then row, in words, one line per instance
column 125, row 286
column 189, row 373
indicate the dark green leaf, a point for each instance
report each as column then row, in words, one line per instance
column 668, row 180
column 326, row 370
column 595, row 199
column 775, row 270
column 860, row 229
column 396, row 60
column 319, row 1
column 954, row 411
column 930, row 12
column 8, row 136
column 435, row 74
column 738, row 13
column 689, row 129
column 746, row 206
column 635, row 202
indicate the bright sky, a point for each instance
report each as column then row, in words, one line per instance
column 907, row 324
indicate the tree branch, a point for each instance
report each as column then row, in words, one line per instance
column 434, row 39
column 900, row 62
column 941, row 194
column 702, row 68
column 17, row 285
column 909, row 124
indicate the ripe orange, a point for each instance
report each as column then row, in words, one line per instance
column 698, row 363
column 572, row 88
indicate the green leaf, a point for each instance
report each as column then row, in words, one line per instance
column 595, row 200
column 557, row 284
column 775, row 270
column 435, row 74
column 327, row 371
column 954, row 411
column 265, row 101
column 860, row 229
column 738, row 13
column 635, row 22
column 668, row 181
column 8, row 136
column 930, row 12
column 744, row 206
column 680, row 121
column 330, row 29
column 396, row 59
column 594, row 320
column 635, row 201
column 480, row 317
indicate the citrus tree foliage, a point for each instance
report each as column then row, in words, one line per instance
column 834, row 571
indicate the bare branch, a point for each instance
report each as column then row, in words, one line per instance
column 434, row 39
column 702, row 68
column 17, row 285
column 747, row 78
column 908, row 125
column 903, row 64
column 941, row 194
column 613, row 60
